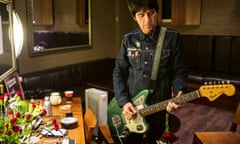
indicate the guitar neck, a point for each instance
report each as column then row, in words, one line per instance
column 162, row 105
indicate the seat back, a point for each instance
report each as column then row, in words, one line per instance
column 90, row 122
column 236, row 119
column 204, row 53
column 222, row 54
column 189, row 45
column 234, row 65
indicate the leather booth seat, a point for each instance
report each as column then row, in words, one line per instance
column 76, row 77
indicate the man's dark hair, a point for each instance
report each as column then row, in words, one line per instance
column 136, row 5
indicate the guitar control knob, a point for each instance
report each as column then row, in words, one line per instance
column 139, row 127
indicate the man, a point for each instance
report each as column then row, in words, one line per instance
column 133, row 67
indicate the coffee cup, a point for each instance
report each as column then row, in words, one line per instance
column 69, row 95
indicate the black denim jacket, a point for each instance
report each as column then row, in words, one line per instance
column 132, row 72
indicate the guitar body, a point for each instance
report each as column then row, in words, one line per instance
column 119, row 125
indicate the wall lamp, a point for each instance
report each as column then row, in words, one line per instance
column 17, row 34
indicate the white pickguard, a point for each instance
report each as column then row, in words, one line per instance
column 136, row 124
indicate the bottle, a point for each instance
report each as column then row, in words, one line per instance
column 47, row 106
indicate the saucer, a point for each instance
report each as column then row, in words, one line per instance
column 66, row 107
column 69, row 122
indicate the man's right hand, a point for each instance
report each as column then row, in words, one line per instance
column 129, row 110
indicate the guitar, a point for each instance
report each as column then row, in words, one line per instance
column 120, row 126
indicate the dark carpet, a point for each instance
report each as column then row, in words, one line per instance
column 196, row 117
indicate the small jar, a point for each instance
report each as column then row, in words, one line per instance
column 55, row 98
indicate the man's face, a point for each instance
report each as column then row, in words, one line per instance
column 147, row 20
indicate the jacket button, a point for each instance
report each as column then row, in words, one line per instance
column 145, row 62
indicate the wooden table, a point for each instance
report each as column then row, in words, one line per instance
column 58, row 113
column 219, row 137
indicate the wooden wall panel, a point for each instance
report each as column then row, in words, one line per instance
column 43, row 12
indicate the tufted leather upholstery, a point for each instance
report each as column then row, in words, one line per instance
column 75, row 77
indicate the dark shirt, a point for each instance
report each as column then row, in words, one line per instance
column 132, row 72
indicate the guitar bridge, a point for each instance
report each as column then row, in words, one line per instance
column 116, row 120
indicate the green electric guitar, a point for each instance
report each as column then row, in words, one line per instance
column 120, row 126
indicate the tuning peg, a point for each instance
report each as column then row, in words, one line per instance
column 214, row 82
column 228, row 81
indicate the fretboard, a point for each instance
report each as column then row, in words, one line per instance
column 162, row 105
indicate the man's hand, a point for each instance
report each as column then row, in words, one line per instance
column 173, row 106
column 129, row 110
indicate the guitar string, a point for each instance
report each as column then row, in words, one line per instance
column 119, row 137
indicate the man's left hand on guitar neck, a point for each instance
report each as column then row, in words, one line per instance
column 173, row 106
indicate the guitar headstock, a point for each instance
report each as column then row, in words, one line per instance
column 214, row 91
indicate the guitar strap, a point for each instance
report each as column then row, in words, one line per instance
column 157, row 56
